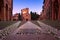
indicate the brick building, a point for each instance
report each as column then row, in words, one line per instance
column 55, row 9
column 42, row 16
column 51, row 9
column 25, row 14
column 6, row 7
column 15, row 17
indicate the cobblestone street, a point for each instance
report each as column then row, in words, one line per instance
column 30, row 31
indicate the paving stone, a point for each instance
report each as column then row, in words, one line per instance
column 29, row 26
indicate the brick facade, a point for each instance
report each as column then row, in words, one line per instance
column 51, row 9
column 15, row 17
column 25, row 14
column 6, row 7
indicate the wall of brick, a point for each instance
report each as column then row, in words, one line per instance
column 51, row 9
column 6, row 11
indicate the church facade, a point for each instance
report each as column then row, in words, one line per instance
column 25, row 14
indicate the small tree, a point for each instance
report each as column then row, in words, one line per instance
column 19, row 17
column 34, row 16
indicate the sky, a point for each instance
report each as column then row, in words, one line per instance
column 33, row 5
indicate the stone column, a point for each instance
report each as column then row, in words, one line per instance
column 59, row 11
column 8, row 14
column 4, row 11
column 53, row 10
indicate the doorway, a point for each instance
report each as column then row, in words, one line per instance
column 26, row 19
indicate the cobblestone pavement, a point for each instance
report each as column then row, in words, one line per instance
column 49, row 29
column 33, row 32
column 9, row 30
